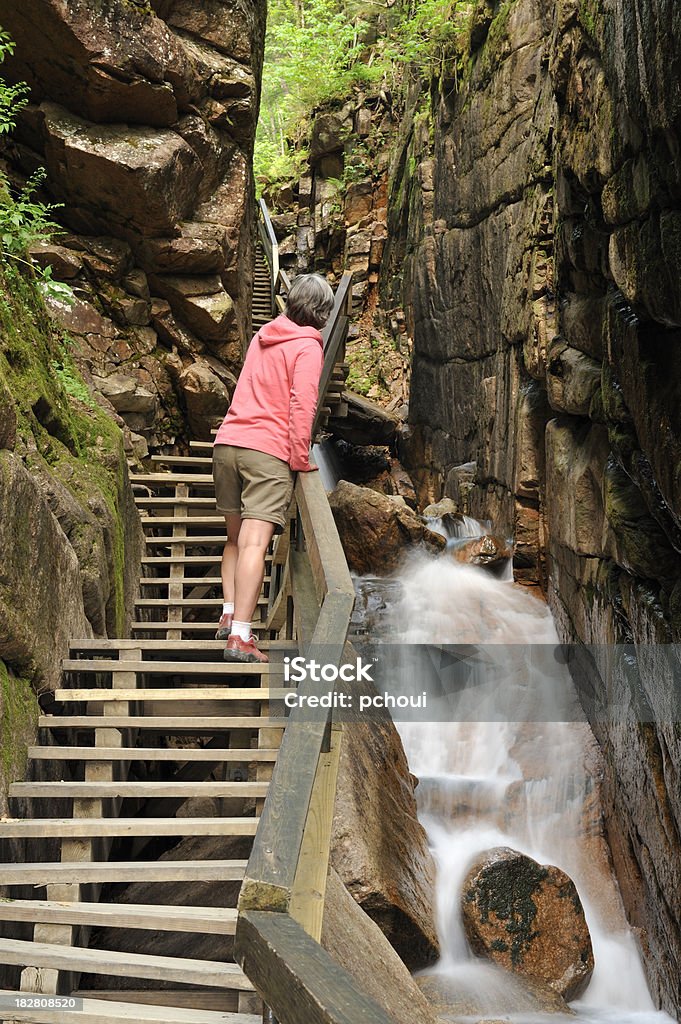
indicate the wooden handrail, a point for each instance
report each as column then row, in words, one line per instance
column 282, row 896
column 307, row 985
column 270, row 245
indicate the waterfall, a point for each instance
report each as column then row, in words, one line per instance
column 326, row 458
column 491, row 781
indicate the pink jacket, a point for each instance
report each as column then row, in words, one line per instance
column 275, row 399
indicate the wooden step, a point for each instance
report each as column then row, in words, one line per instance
column 123, row 871
column 182, row 460
column 192, row 725
column 139, row 790
column 152, row 521
column 201, row 446
column 164, row 501
column 171, row 668
column 185, row 602
column 210, row 754
column 67, row 828
column 123, row 965
column 182, row 560
column 186, row 627
column 215, row 541
column 145, row 916
column 186, row 581
column 106, row 1011
column 172, row 479
column 180, row 693
column 178, row 646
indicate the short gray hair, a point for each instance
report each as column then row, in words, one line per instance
column 309, row 301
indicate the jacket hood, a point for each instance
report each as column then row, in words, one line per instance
column 282, row 329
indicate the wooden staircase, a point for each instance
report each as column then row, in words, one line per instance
column 263, row 308
column 145, row 734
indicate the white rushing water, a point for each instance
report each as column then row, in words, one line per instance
column 492, row 781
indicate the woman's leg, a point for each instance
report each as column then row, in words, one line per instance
column 229, row 557
column 253, row 540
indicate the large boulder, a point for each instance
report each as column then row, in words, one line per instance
column 119, row 179
column 200, row 302
column 366, row 422
column 379, row 847
column 207, row 393
column 488, row 552
column 41, row 602
column 357, row 944
column 376, row 530
column 125, row 66
column 528, row 918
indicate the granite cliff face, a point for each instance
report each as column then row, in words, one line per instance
column 144, row 117
column 537, row 211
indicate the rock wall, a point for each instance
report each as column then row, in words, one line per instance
column 144, row 117
column 534, row 237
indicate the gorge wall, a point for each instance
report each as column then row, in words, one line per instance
column 144, row 117
column 535, row 241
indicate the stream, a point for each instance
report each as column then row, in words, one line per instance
column 486, row 780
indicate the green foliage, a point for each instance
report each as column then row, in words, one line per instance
column 318, row 51
column 24, row 219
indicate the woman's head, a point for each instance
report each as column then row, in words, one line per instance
column 309, row 301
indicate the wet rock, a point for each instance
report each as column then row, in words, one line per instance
column 376, row 531
column 357, row 944
column 488, row 552
column 207, row 395
column 200, row 302
column 366, row 422
column 379, row 847
column 8, row 418
column 119, row 179
column 484, row 995
column 529, row 919
column 438, row 509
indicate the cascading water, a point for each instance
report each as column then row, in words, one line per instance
column 487, row 780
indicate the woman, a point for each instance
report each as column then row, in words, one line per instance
column 263, row 440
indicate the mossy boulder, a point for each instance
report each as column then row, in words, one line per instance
column 528, row 918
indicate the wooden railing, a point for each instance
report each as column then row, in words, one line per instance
column 281, row 905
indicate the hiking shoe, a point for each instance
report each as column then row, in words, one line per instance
column 244, row 650
column 224, row 626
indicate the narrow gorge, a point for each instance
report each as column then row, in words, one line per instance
column 501, row 449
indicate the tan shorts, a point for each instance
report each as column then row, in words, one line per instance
column 253, row 485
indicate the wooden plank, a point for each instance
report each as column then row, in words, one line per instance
column 199, row 999
column 123, row 871
column 296, row 977
column 140, row 790
column 192, row 693
column 309, row 887
column 201, row 446
column 182, row 460
column 123, row 965
column 172, row 754
column 196, row 627
column 180, row 646
column 191, row 724
column 161, row 501
column 186, row 602
column 182, row 560
column 106, row 1011
column 170, row 479
column 203, row 539
column 39, row 828
column 154, row 917
column 170, row 668
column 153, row 521
column 305, row 603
